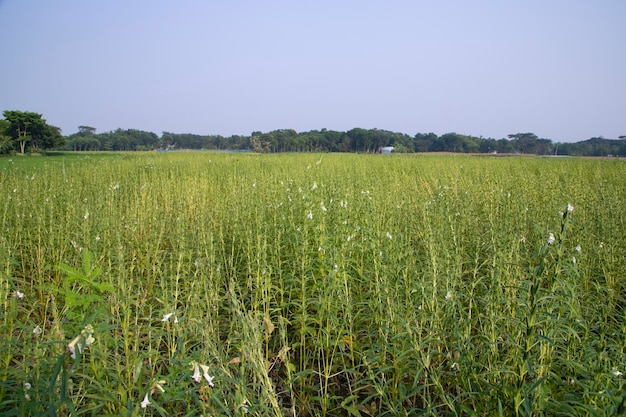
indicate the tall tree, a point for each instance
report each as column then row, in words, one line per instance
column 23, row 126
column 29, row 128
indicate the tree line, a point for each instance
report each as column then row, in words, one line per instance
column 29, row 132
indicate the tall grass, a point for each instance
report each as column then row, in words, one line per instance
column 313, row 284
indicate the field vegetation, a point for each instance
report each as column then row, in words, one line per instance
column 199, row 283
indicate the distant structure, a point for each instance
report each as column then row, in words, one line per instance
column 386, row 150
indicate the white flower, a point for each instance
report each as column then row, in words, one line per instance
column 314, row 187
column 205, row 374
column 86, row 216
column 574, row 260
column 551, row 239
column 579, row 249
column 175, row 319
column 84, row 338
column 196, row 372
column 145, row 402
column 37, row 330
column 72, row 349
column 570, row 208
column 389, row 235
column 166, row 317
column 617, row 373
column 310, row 215
column 19, row 294
column 522, row 239
column 27, row 386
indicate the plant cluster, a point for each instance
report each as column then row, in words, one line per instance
column 312, row 284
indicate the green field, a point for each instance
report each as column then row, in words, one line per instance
column 312, row 284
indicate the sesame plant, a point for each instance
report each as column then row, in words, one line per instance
column 201, row 283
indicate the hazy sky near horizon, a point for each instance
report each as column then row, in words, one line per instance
column 556, row 68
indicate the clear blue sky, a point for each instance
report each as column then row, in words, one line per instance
column 556, row 68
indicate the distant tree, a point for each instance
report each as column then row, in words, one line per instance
column 85, row 131
column 423, row 142
column 30, row 129
column 5, row 139
column 259, row 144
column 524, row 142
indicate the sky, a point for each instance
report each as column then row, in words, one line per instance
column 556, row 68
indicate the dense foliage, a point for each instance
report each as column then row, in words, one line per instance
column 354, row 140
column 41, row 136
column 206, row 283
column 27, row 131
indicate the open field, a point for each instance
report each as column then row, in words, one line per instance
column 312, row 284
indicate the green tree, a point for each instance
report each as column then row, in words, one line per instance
column 86, row 131
column 30, row 129
column 5, row 139
column 524, row 142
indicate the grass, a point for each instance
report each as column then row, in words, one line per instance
column 312, row 284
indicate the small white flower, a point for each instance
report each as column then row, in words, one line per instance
column 310, row 216
column 522, row 239
column 86, row 216
column 574, row 260
column 570, row 208
column 551, row 239
column 72, row 348
column 389, row 236
column 166, row 317
column 19, row 294
column 37, row 330
column 145, row 402
column 314, row 187
column 175, row 319
column 579, row 249
column 97, row 238
column 205, row 374
column 196, row 372
column 27, row 386
column 617, row 373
